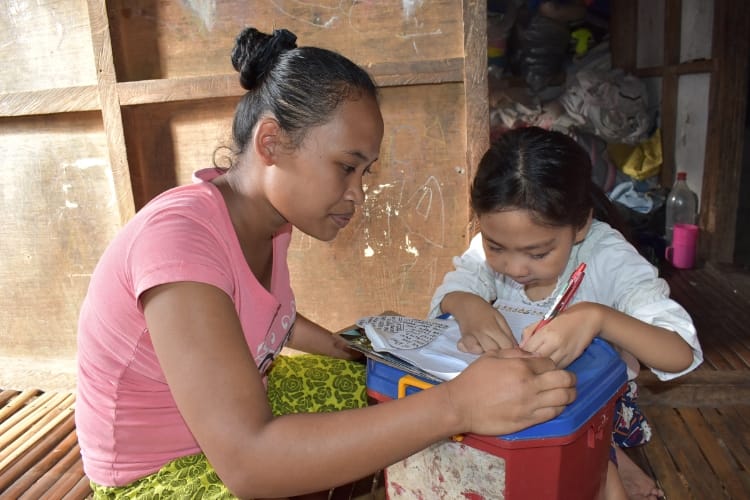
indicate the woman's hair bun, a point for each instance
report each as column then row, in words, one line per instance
column 254, row 53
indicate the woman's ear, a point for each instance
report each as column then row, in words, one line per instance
column 584, row 229
column 266, row 140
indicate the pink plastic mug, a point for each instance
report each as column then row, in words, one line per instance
column 684, row 245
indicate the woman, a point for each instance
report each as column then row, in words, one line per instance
column 181, row 389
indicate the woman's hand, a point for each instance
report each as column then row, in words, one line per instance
column 483, row 328
column 340, row 349
column 312, row 338
column 509, row 390
column 565, row 337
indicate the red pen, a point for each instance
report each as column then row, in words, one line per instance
column 567, row 293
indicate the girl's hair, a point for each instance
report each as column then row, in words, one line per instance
column 544, row 172
column 300, row 86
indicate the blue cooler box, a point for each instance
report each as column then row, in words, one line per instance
column 565, row 458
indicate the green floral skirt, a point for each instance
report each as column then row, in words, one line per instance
column 296, row 384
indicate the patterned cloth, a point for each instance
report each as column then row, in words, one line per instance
column 296, row 384
column 315, row 384
column 185, row 478
column 631, row 427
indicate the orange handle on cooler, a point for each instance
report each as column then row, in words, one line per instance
column 412, row 381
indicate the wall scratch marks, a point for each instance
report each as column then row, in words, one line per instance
column 205, row 10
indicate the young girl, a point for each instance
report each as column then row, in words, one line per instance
column 540, row 216
column 181, row 392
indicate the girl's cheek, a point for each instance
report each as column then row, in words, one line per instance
column 496, row 264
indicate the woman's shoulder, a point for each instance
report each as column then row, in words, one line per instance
column 199, row 200
column 188, row 216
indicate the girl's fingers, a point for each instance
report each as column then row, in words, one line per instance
column 469, row 343
column 515, row 352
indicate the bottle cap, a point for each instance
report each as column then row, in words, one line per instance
column 681, row 176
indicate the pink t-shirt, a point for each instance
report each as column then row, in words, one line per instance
column 127, row 422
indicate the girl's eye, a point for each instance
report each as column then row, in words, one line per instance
column 348, row 168
column 539, row 256
column 494, row 249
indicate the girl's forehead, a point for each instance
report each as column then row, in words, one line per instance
column 514, row 217
column 518, row 228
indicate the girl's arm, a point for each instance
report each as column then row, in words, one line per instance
column 312, row 338
column 213, row 378
column 467, row 293
column 639, row 307
column 654, row 346
column 482, row 326
column 470, row 274
column 566, row 336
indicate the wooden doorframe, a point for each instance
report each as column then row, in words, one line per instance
column 725, row 131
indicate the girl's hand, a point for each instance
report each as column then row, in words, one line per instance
column 483, row 328
column 506, row 391
column 485, row 331
column 565, row 337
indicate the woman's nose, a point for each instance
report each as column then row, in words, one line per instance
column 355, row 192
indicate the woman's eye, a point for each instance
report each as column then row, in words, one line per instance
column 539, row 256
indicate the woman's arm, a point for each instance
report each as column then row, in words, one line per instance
column 312, row 338
column 216, row 385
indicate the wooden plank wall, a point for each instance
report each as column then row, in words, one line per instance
column 104, row 104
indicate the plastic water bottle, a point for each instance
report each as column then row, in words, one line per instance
column 682, row 205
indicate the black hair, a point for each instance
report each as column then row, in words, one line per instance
column 300, row 86
column 545, row 172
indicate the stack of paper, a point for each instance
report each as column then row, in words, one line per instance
column 427, row 344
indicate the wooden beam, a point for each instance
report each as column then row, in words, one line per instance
column 726, row 125
column 623, row 23
column 111, row 114
column 686, row 68
column 86, row 98
column 699, row 388
column 669, row 89
column 451, row 70
column 178, row 89
column 476, row 91
column 44, row 102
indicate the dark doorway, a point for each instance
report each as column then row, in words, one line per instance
column 742, row 229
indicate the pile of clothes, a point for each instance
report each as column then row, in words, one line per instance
column 550, row 66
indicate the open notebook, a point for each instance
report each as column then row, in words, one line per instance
column 426, row 348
